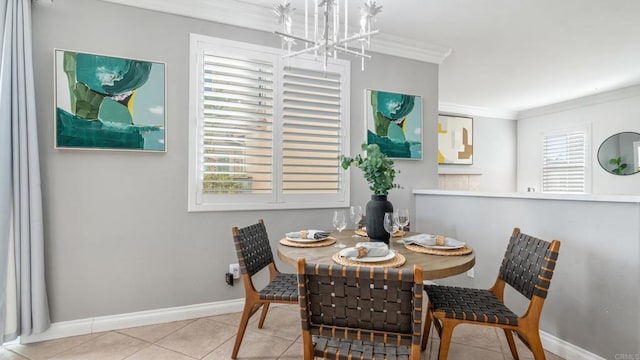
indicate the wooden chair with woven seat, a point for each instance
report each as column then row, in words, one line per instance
column 254, row 254
column 527, row 266
column 353, row 312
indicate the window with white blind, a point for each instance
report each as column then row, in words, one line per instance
column 564, row 161
column 265, row 132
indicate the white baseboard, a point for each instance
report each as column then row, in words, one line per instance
column 122, row 321
column 64, row 329
column 566, row 350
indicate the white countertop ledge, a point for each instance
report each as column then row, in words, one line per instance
column 534, row 195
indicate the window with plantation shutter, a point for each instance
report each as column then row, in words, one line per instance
column 564, row 161
column 311, row 127
column 237, row 125
column 265, row 132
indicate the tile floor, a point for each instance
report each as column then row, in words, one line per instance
column 212, row 338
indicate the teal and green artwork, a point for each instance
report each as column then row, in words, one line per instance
column 105, row 102
column 394, row 122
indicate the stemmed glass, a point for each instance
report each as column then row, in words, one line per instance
column 390, row 223
column 339, row 222
column 403, row 218
column 355, row 213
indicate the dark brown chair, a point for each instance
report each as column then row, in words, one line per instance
column 351, row 312
column 254, row 254
column 527, row 266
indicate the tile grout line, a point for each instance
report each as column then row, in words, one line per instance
column 61, row 351
column 17, row 353
column 287, row 349
column 189, row 322
column 187, row 355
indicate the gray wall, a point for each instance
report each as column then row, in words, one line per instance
column 494, row 152
column 593, row 299
column 605, row 114
column 118, row 235
column 494, row 158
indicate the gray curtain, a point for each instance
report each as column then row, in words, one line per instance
column 20, row 194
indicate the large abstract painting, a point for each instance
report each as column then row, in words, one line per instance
column 105, row 102
column 455, row 140
column 394, row 122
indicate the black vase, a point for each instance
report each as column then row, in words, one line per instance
column 374, row 221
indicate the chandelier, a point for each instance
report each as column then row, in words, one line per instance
column 325, row 37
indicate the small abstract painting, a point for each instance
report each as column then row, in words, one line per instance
column 455, row 140
column 105, row 102
column 394, row 122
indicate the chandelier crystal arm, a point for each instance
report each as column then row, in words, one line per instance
column 357, row 37
column 303, row 51
column 353, row 53
column 294, row 37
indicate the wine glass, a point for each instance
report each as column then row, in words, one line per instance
column 339, row 222
column 355, row 213
column 403, row 218
column 390, row 223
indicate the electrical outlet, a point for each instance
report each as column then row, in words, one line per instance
column 471, row 273
column 228, row 277
column 235, row 270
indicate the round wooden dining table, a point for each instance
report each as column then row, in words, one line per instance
column 433, row 266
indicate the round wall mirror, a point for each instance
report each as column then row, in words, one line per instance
column 620, row 153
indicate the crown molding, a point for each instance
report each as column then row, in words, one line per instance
column 256, row 17
column 476, row 111
column 600, row 98
column 395, row 45
column 226, row 12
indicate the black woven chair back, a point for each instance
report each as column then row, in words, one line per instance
column 374, row 304
column 527, row 265
column 253, row 248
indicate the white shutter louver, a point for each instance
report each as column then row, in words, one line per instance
column 237, row 126
column 564, row 161
column 311, row 126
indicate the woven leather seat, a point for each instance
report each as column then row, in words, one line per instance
column 284, row 287
column 254, row 254
column 350, row 312
column 470, row 304
column 329, row 347
column 527, row 266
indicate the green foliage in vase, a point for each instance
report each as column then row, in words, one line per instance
column 620, row 166
column 376, row 167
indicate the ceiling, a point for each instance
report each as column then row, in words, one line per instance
column 504, row 56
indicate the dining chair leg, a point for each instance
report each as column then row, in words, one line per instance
column 445, row 339
column 244, row 320
column 427, row 328
column 512, row 345
column 307, row 346
column 535, row 344
column 263, row 315
column 415, row 352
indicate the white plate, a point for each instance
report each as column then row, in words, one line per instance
column 449, row 244
column 301, row 240
column 372, row 259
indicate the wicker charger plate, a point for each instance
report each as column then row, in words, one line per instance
column 396, row 261
column 421, row 249
column 362, row 232
column 326, row 242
